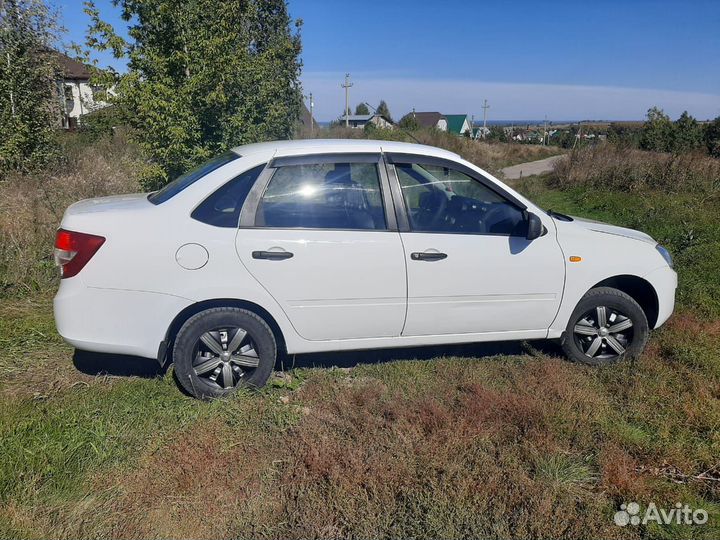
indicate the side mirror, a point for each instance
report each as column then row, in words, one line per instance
column 535, row 228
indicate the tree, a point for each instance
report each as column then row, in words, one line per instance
column 409, row 122
column 624, row 134
column 28, row 74
column 496, row 133
column 362, row 109
column 688, row 133
column 204, row 76
column 384, row 110
column 712, row 137
column 658, row 132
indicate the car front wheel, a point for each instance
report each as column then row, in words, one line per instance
column 606, row 326
column 220, row 350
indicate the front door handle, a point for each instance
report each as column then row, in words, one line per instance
column 428, row 256
column 272, row 255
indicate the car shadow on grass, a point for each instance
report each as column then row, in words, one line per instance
column 348, row 359
column 120, row 365
column 116, row 365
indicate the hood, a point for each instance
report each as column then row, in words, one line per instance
column 135, row 201
column 601, row 227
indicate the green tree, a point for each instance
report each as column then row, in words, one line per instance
column 624, row 134
column 712, row 137
column 409, row 122
column 384, row 110
column 658, row 132
column 29, row 106
column 362, row 109
column 688, row 133
column 496, row 133
column 204, row 76
column 565, row 138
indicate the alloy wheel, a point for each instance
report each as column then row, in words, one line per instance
column 225, row 356
column 603, row 333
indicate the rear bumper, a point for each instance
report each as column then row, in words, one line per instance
column 114, row 321
column 664, row 281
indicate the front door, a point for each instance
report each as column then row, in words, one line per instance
column 470, row 268
column 321, row 244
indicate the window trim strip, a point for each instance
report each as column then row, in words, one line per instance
column 312, row 159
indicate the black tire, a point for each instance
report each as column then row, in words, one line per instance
column 193, row 358
column 588, row 341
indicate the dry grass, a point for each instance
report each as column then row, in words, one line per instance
column 611, row 167
column 31, row 207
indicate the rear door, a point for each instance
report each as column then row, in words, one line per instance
column 470, row 267
column 319, row 234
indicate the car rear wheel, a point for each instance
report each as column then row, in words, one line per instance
column 220, row 350
column 606, row 326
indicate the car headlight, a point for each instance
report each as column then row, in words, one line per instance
column 665, row 254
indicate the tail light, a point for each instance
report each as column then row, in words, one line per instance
column 73, row 250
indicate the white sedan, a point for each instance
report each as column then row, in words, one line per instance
column 326, row 245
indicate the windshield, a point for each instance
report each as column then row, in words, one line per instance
column 190, row 177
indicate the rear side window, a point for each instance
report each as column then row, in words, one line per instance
column 222, row 208
column 190, row 177
column 323, row 196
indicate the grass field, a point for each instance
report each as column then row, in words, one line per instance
column 496, row 441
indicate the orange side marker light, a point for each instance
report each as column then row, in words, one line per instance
column 575, row 258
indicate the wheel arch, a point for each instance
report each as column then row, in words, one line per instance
column 165, row 349
column 639, row 290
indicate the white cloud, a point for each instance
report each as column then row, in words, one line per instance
column 507, row 100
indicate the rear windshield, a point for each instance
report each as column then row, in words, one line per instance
column 190, row 177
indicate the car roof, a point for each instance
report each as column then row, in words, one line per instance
column 319, row 146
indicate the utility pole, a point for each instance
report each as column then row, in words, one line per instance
column 544, row 130
column 347, row 86
column 485, row 107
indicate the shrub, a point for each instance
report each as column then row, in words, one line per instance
column 609, row 166
column 31, row 207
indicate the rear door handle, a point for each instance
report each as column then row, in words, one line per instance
column 272, row 255
column 428, row 256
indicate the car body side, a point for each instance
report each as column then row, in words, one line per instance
column 97, row 310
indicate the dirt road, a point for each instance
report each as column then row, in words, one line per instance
column 530, row 168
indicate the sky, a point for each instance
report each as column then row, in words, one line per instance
column 567, row 60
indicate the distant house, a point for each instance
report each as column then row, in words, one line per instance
column 361, row 120
column 77, row 96
column 457, row 123
column 527, row 135
column 432, row 120
column 480, row 132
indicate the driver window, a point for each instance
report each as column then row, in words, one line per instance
column 444, row 200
